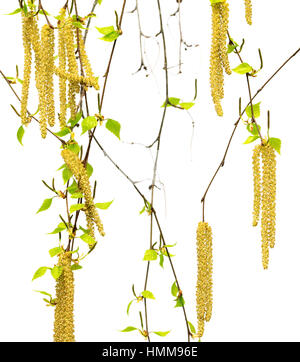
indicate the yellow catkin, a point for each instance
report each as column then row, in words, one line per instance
column 256, row 183
column 80, row 173
column 40, row 79
column 62, row 68
column 72, row 65
column 64, row 309
column 47, row 49
column 219, row 57
column 204, row 285
column 268, row 217
column 92, row 80
column 248, row 11
column 26, row 25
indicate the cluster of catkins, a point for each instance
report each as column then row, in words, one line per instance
column 79, row 171
column 204, row 297
column 42, row 44
column 265, row 196
column 219, row 56
column 64, row 309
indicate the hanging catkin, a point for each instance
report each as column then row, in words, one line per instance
column 248, row 11
column 64, row 309
column 219, row 57
column 80, row 173
column 47, row 50
column 26, row 25
column 62, row 68
column 204, row 275
column 265, row 195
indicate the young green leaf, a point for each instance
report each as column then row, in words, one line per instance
column 129, row 329
column 256, row 110
column 114, row 127
column 103, row 205
column 99, row 2
column 60, row 227
column 253, row 129
column 111, row 36
column 105, row 30
column 63, row 132
column 55, row 251
column 88, row 239
column 162, row 334
column 161, row 260
column 15, row 12
column 66, row 174
column 73, row 188
column 192, row 328
column 147, row 294
column 251, row 139
column 243, row 68
column 88, row 123
column 172, row 101
column 40, row 272
column 174, row 289
column 56, row 271
column 180, row 302
column 129, row 305
column 74, row 147
column 76, row 267
column 150, row 255
column 76, row 207
column 77, row 195
column 89, row 170
column 44, row 293
column 275, row 143
column 20, row 134
column 45, row 205
column 186, row 106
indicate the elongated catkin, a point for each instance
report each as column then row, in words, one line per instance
column 248, row 11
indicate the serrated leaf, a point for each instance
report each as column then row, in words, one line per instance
column 103, row 205
column 114, row 127
column 73, row 188
column 20, row 134
column 243, row 68
column 180, row 302
column 76, row 207
column 105, row 30
column 186, row 105
column 60, row 227
column 192, row 328
column 56, row 271
column 174, row 289
column 66, row 174
column 88, row 123
column 150, row 255
column 162, row 334
column 74, row 147
column 63, row 132
column 256, row 110
column 55, row 251
column 88, row 239
column 251, row 139
column 111, row 36
column 40, row 272
column 147, row 294
column 275, row 143
column 129, row 329
column 253, row 129
column 76, row 267
column 45, row 205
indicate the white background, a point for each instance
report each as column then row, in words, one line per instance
column 250, row 304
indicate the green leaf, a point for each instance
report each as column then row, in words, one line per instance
column 174, row 289
column 77, row 195
column 216, row 1
column 99, row 2
column 143, row 210
column 76, row 207
column 63, row 132
column 150, row 255
column 73, row 122
column 243, row 68
column 129, row 305
column 55, row 251
column 60, row 227
column 56, row 271
column 256, row 110
column 89, row 170
column 129, row 329
column 78, row 24
column 15, row 12
column 66, row 174
column 192, row 328
column 231, row 47
column 76, row 267
column 44, row 293
column 251, row 139
column 45, row 205
column 88, row 239
column 20, row 134
column 161, row 260
column 114, row 127
column 104, row 205
column 111, row 36
column 186, row 106
column 276, row 144
column 162, row 334
column 73, row 188
column 172, row 101
column 147, row 294
column 253, row 129
column 40, row 272
column 180, row 302
column 44, row 12
column 105, row 30
column 88, row 123
column 74, row 147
